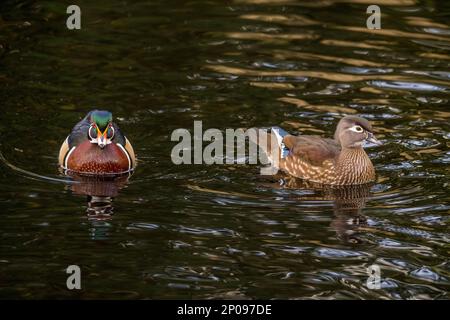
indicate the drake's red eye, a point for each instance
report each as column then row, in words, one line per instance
column 92, row 132
column 110, row 133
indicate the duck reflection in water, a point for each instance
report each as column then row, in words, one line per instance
column 348, row 204
column 100, row 192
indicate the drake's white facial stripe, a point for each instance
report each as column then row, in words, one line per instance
column 95, row 141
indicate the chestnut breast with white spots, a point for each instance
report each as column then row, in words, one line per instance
column 91, row 159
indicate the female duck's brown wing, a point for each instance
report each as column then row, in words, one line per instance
column 312, row 149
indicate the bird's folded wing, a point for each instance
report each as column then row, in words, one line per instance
column 131, row 153
column 312, row 149
column 79, row 133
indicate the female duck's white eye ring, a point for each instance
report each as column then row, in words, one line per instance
column 357, row 129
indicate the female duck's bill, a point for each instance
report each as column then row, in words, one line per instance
column 97, row 146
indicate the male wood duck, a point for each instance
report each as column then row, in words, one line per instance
column 338, row 161
column 96, row 146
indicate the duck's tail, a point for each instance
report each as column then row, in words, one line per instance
column 270, row 143
column 280, row 134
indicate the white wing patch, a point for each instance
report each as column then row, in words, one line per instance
column 283, row 149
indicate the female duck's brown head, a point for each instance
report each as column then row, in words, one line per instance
column 352, row 131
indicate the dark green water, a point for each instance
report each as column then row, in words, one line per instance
column 216, row 231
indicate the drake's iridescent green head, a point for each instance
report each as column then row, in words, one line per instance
column 101, row 118
column 101, row 130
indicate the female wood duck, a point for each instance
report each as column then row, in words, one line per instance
column 338, row 161
column 96, row 146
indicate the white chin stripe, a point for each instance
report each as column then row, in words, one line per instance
column 95, row 141
column 126, row 153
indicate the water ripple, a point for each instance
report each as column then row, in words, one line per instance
column 425, row 273
column 409, row 86
column 340, row 254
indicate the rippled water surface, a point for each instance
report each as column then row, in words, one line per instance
column 224, row 231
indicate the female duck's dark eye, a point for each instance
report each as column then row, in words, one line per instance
column 110, row 133
column 357, row 129
column 92, row 132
